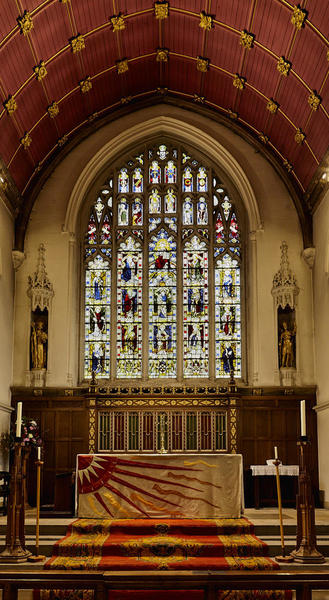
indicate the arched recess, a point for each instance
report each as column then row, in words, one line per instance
column 180, row 130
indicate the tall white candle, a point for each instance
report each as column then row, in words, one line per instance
column 302, row 418
column 275, row 452
column 19, row 419
column 39, row 452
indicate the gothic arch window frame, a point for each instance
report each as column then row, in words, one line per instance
column 101, row 183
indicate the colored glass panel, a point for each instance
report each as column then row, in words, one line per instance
column 129, row 309
column 170, row 201
column 219, row 228
column 202, row 212
column 171, row 222
column 106, row 231
column 138, row 181
column 99, row 206
column 170, row 172
column 188, row 212
column 91, row 230
column 195, row 308
column 154, row 222
column 123, row 213
column 154, row 202
column 162, row 305
column 202, row 180
column 227, row 317
column 97, row 318
column 154, row 172
column 187, row 180
column 123, row 182
column 137, row 213
column 162, row 152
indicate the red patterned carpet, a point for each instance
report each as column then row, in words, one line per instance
column 141, row 544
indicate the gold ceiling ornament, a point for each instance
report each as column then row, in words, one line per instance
column 161, row 10
column 77, row 43
column 162, row 55
column 287, row 165
column 25, row 23
column 238, row 81
column 247, row 39
column 283, row 66
column 199, row 99
column 92, row 117
column 10, row 105
column 118, row 22
column 62, row 141
column 263, row 137
column 232, row 114
column 202, row 64
column 298, row 16
column 126, row 99
column 40, row 70
column 122, row 66
column 206, row 21
column 162, row 91
column 272, row 106
column 299, row 136
column 64, row 1
column 314, row 101
column 53, row 110
column 26, row 140
column 85, row 85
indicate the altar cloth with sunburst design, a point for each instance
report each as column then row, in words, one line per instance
column 159, row 486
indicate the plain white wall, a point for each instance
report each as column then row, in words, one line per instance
column 280, row 222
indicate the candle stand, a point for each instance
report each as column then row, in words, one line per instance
column 37, row 557
column 15, row 550
column 306, row 550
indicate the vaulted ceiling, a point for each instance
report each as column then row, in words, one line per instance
column 263, row 64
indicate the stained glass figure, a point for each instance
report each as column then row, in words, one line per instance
column 123, row 213
column 227, row 316
column 137, row 181
column 154, row 172
column 154, row 202
column 219, row 228
column 123, row 181
column 202, row 212
column 99, row 207
column 234, row 229
column 162, row 305
column 129, row 309
column 170, row 172
column 137, row 213
column 154, row 222
column 97, row 317
column 226, row 207
column 91, row 230
column 106, row 231
column 195, row 308
column 162, row 152
column 202, row 180
column 188, row 212
column 187, row 180
column 170, row 201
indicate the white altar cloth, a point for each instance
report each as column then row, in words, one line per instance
column 292, row 470
column 157, row 486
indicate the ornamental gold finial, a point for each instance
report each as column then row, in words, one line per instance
column 232, row 114
column 283, row 66
column 85, row 85
column 40, row 70
column 161, row 10
column 162, row 55
column 62, row 141
column 10, row 105
column 247, row 39
column 263, row 137
column 272, row 106
column 314, row 100
column 239, row 82
column 122, row 66
column 53, row 110
column 287, row 165
column 25, row 23
column 199, row 99
column 298, row 16
column 118, row 22
column 202, row 64
column 77, row 43
column 26, row 140
column 299, row 136
column 206, row 21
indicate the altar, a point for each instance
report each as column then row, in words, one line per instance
column 184, row 486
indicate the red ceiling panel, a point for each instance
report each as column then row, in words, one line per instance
column 54, row 23
column 21, row 168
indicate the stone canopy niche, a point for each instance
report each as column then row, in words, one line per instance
column 41, row 292
column 285, row 292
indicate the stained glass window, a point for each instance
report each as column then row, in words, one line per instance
column 162, row 243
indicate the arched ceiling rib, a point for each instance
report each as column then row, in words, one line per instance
column 262, row 63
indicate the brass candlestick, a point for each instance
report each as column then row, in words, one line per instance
column 163, row 449
column 37, row 557
column 15, row 550
column 282, row 557
column 306, row 550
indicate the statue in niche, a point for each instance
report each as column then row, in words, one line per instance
column 287, row 338
column 39, row 340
